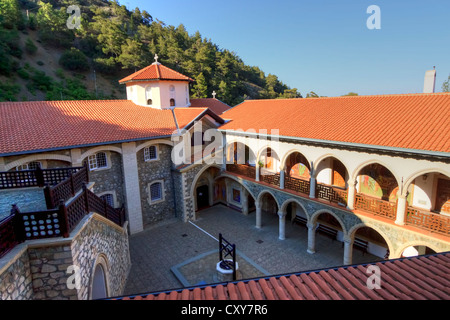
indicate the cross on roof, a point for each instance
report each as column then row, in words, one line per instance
column 156, row 58
column 214, row 94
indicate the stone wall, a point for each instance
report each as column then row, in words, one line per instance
column 156, row 170
column 15, row 276
column 38, row 269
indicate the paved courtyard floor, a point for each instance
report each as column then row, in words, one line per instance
column 172, row 243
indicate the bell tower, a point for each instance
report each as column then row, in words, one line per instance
column 158, row 86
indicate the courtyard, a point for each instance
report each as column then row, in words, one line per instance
column 173, row 245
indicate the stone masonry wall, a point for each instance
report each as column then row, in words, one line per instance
column 155, row 170
column 16, row 280
column 38, row 269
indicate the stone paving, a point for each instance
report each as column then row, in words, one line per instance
column 157, row 249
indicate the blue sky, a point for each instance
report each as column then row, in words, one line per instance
column 324, row 45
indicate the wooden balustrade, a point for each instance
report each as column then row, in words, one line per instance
column 270, row 177
column 376, row 206
column 331, row 194
column 20, row 226
column 297, row 184
column 243, row 170
column 430, row 221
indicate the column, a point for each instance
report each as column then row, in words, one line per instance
column 132, row 190
column 281, row 179
column 401, row 210
column 311, row 237
column 258, row 215
column 244, row 200
column 348, row 251
column 257, row 167
column 75, row 156
column 351, row 195
column 312, row 187
column 224, row 153
column 282, row 225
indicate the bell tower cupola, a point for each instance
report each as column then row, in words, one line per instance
column 158, row 86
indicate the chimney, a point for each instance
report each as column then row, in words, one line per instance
column 430, row 81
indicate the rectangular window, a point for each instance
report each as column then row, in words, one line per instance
column 101, row 160
column 92, row 162
column 156, row 191
column 29, row 166
column 150, row 153
column 108, row 198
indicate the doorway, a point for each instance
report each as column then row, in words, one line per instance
column 202, row 197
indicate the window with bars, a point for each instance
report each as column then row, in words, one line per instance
column 33, row 165
column 97, row 161
column 109, row 198
column 150, row 153
column 156, row 191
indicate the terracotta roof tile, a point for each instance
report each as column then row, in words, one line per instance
column 43, row 125
column 217, row 106
column 400, row 279
column 411, row 121
column 155, row 71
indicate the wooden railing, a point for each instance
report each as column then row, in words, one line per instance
column 66, row 188
column 270, row 178
column 243, row 170
column 430, row 221
column 57, row 222
column 296, row 184
column 35, row 178
column 376, row 206
column 331, row 193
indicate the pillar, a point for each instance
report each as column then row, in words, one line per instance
column 75, row 156
column 224, row 153
column 244, row 200
column 282, row 225
column 311, row 237
column 312, row 187
column 401, row 210
column 282, row 179
column 258, row 215
column 257, row 172
column 351, row 195
column 132, row 190
column 348, row 251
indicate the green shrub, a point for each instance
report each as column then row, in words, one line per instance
column 74, row 60
column 30, row 47
column 23, row 74
column 9, row 91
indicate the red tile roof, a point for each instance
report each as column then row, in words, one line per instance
column 413, row 121
column 423, row 277
column 43, row 125
column 215, row 105
column 155, row 71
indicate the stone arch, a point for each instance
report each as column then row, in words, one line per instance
column 412, row 177
column 99, row 286
column 37, row 157
column 325, row 156
column 288, row 154
column 362, row 165
column 354, row 229
column 237, row 180
column 252, row 154
column 314, row 217
column 152, row 143
column 414, row 243
column 258, row 201
column 292, row 200
column 98, row 149
column 198, row 175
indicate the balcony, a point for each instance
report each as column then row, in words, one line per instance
column 376, row 206
column 429, row 221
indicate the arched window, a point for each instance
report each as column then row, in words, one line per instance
column 156, row 191
column 149, row 102
column 150, row 153
column 172, row 102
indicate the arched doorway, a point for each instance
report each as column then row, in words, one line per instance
column 267, row 209
column 99, row 289
column 370, row 245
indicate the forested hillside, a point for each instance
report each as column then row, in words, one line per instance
column 41, row 58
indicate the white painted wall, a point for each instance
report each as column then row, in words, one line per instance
column 160, row 92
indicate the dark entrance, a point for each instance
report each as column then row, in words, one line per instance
column 202, row 197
